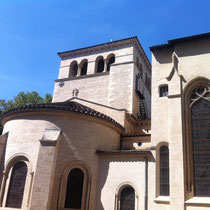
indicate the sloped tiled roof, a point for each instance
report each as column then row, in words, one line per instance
column 135, row 135
column 182, row 39
column 124, row 152
column 107, row 45
column 65, row 106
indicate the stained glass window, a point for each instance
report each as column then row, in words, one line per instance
column 16, row 185
column 164, row 171
column 200, row 114
column 74, row 189
column 127, row 199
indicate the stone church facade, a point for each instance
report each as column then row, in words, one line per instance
column 119, row 135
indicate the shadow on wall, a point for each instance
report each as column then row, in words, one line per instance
column 104, row 172
column 189, row 48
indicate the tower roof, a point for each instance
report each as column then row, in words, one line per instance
column 105, row 46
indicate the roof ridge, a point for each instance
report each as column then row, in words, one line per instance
column 97, row 45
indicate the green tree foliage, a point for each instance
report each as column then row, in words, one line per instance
column 22, row 99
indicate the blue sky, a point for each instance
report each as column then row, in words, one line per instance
column 32, row 32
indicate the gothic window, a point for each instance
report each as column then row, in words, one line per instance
column 127, row 198
column 73, row 69
column 99, row 64
column 84, row 68
column 16, row 185
column 164, row 171
column 163, row 91
column 200, row 129
column 74, row 189
column 110, row 61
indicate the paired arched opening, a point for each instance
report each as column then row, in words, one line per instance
column 197, row 138
column 73, row 69
column 99, row 64
column 84, row 66
column 110, row 60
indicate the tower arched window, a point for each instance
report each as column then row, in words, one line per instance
column 73, row 69
column 110, row 62
column 127, row 198
column 16, row 185
column 84, row 67
column 164, row 171
column 99, row 64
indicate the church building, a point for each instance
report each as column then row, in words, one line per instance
column 120, row 134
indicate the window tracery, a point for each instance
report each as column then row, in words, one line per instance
column 200, row 129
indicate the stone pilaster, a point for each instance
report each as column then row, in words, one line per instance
column 44, row 174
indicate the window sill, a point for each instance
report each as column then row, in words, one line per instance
column 198, row 200
column 162, row 199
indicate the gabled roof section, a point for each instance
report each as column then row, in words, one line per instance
column 108, row 45
column 182, row 39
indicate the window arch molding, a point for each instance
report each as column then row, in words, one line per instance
column 8, row 170
column 99, row 64
column 86, row 184
column 109, row 61
column 118, row 194
column 73, row 69
column 81, row 66
column 187, row 134
column 158, row 147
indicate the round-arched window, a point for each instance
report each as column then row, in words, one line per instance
column 73, row 69
column 127, row 198
column 17, row 185
column 74, row 189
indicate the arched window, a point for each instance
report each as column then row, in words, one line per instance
column 74, row 189
column 200, row 144
column 73, row 69
column 75, row 185
column 127, row 198
column 164, row 171
column 16, row 185
column 99, row 64
column 110, row 61
column 84, row 68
